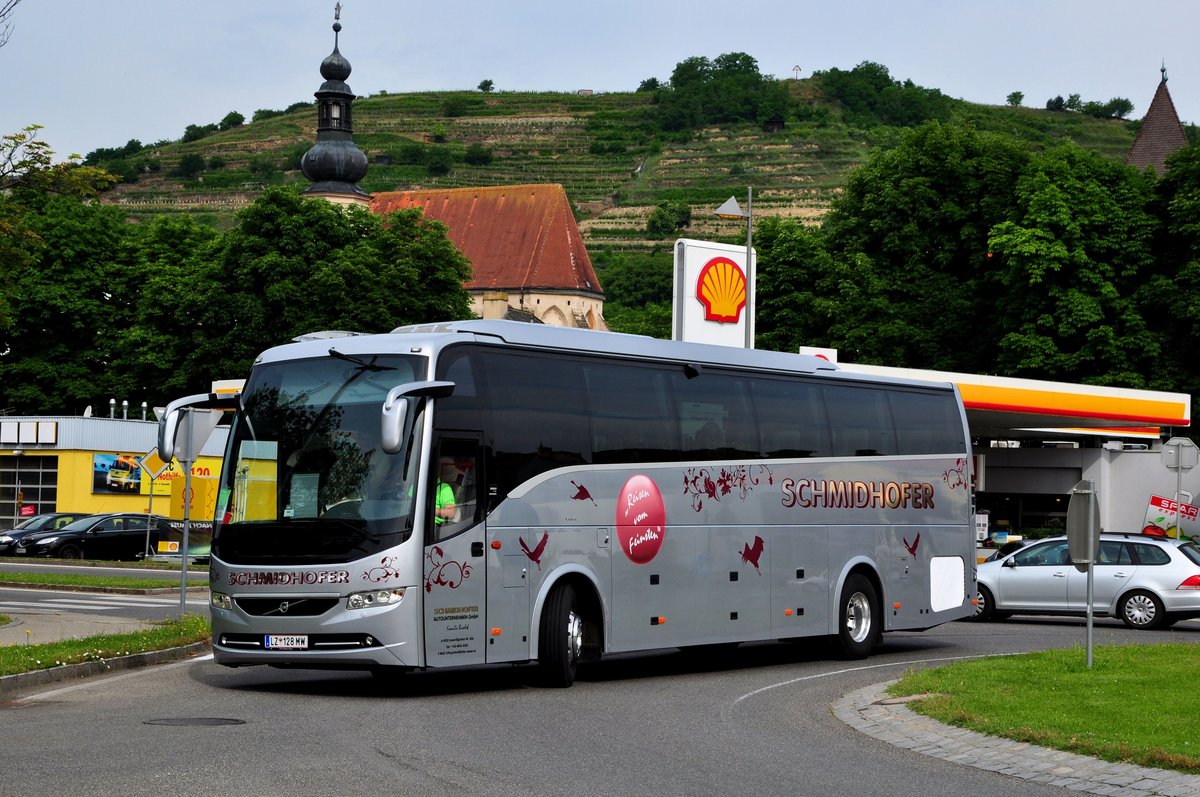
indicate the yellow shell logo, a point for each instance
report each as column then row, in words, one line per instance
column 721, row 288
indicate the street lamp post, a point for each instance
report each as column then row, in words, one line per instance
column 731, row 210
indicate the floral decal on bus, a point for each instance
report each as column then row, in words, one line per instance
column 383, row 571
column 444, row 574
column 641, row 519
column 957, row 476
column 738, row 480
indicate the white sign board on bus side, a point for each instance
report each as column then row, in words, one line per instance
column 712, row 303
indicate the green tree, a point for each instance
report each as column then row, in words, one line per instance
column 439, row 162
column 373, row 273
column 918, row 216
column 1015, row 99
column 477, row 155
column 1170, row 297
column 808, row 295
column 486, row 86
column 871, row 96
column 28, row 177
column 68, row 308
column 190, row 165
column 197, row 132
column 1071, row 260
column 232, row 119
column 668, row 218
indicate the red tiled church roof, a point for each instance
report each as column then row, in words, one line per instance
column 1161, row 133
column 518, row 237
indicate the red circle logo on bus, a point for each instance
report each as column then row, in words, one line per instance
column 641, row 519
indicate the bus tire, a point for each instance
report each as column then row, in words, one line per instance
column 858, row 617
column 560, row 639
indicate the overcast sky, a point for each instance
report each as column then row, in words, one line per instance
column 96, row 74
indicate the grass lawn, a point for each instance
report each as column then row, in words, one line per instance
column 18, row 658
column 90, row 581
column 1137, row 704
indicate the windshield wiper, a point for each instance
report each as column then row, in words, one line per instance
column 363, row 365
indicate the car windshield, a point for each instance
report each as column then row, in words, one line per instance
column 306, row 478
column 83, row 524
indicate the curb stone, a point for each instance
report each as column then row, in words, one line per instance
column 11, row 685
column 871, row 711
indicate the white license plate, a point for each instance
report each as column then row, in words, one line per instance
column 287, row 641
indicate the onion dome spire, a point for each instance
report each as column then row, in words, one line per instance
column 335, row 164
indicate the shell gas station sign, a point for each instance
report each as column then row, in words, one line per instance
column 713, row 302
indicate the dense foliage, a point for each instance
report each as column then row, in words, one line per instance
column 729, row 88
column 145, row 312
column 964, row 251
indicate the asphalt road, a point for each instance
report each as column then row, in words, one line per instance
column 31, row 602
column 755, row 720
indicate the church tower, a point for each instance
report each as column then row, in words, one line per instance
column 335, row 164
column 1161, row 133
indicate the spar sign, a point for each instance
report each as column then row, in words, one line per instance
column 713, row 299
column 1162, row 518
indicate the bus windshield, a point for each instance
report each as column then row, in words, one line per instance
column 306, row 479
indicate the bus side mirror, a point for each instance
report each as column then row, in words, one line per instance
column 395, row 410
column 168, row 424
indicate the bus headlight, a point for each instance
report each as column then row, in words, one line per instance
column 376, row 597
column 220, row 600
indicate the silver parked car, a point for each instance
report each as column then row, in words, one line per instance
column 1148, row 582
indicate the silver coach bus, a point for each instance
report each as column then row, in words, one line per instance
column 488, row 491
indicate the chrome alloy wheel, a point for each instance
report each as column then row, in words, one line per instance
column 858, row 617
column 574, row 636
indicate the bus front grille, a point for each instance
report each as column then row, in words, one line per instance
column 286, row 607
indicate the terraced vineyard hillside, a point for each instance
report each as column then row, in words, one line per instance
column 613, row 172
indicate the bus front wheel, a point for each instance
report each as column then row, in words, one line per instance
column 560, row 640
column 858, row 617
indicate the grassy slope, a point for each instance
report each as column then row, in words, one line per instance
column 547, row 137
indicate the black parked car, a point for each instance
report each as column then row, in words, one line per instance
column 119, row 535
column 46, row 521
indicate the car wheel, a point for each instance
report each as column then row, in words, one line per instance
column 70, row 552
column 858, row 618
column 1141, row 609
column 985, row 605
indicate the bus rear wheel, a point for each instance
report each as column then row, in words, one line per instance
column 858, row 617
column 560, row 640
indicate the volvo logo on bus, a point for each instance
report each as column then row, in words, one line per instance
column 641, row 519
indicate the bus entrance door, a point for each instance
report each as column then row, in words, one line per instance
column 455, row 585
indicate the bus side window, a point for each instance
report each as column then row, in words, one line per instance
column 455, row 488
column 630, row 419
column 861, row 421
column 926, row 423
column 791, row 418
